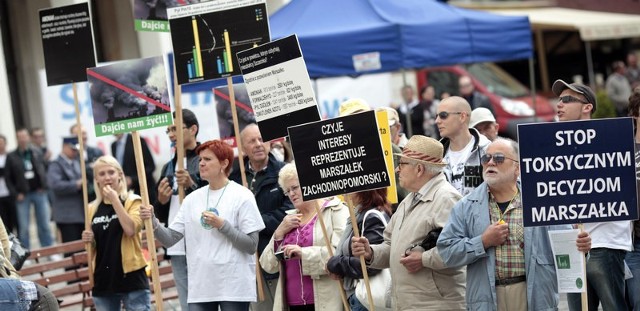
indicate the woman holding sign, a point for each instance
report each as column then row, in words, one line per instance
column 370, row 207
column 119, row 267
column 298, row 250
column 220, row 223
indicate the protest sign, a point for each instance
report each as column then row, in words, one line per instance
column 129, row 96
column 339, row 156
column 67, row 43
column 206, row 36
column 279, row 87
column 385, row 138
column 578, row 172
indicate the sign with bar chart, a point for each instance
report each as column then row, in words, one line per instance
column 129, row 96
column 279, row 86
column 67, row 43
column 152, row 15
column 206, row 37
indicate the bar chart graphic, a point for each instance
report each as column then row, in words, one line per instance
column 205, row 45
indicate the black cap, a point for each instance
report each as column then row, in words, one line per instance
column 581, row 89
column 72, row 141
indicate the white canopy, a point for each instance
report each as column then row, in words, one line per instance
column 591, row 25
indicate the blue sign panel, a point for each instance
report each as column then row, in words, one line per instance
column 578, row 172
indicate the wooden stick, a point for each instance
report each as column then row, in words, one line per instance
column 85, row 194
column 151, row 242
column 330, row 251
column 356, row 233
column 236, row 129
column 179, row 132
column 584, row 295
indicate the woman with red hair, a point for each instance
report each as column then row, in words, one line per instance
column 220, row 224
column 373, row 205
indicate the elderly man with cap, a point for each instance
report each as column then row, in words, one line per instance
column 65, row 180
column 420, row 280
column 483, row 120
column 509, row 267
column 610, row 240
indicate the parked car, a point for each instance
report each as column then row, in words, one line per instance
column 511, row 101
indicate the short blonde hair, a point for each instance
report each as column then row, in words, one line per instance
column 122, row 186
column 287, row 172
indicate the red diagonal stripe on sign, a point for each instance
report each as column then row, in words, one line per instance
column 238, row 103
column 128, row 90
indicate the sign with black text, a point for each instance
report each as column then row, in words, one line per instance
column 578, row 172
column 279, row 86
column 67, row 43
column 339, row 156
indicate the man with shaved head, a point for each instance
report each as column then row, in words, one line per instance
column 463, row 146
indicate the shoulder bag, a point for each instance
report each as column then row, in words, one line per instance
column 380, row 283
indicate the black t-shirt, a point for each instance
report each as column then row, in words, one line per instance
column 109, row 275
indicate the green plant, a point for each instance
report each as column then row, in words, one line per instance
column 605, row 108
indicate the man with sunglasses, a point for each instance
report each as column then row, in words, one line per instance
column 611, row 240
column 463, row 146
column 509, row 267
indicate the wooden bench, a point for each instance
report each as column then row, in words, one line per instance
column 68, row 278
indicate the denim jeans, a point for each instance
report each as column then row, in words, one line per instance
column 138, row 300
column 605, row 281
column 224, row 306
column 633, row 284
column 355, row 304
column 179, row 268
column 12, row 296
column 43, row 218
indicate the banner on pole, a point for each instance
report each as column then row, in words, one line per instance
column 129, row 96
column 339, row 156
column 67, row 43
column 578, row 172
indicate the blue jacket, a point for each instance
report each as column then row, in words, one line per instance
column 460, row 243
column 67, row 207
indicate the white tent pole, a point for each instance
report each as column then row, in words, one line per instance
column 592, row 79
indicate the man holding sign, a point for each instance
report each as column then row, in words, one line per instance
column 611, row 240
column 420, row 280
column 485, row 232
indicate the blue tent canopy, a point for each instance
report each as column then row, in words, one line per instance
column 406, row 33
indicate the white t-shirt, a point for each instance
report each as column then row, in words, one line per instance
column 216, row 270
column 456, row 161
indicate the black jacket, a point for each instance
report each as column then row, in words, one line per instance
column 38, row 166
column 14, row 176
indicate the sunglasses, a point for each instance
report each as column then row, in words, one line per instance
column 498, row 158
column 570, row 99
column 445, row 114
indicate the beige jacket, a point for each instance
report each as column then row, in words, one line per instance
column 434, row 287
column 314, row 259
column 6, row 270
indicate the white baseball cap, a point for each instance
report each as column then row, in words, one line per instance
column 480, row 115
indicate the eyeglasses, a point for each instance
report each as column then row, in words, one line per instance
column 172, row 129
column 443, row 115
column 498, row 158
column 570, row 99
column 291, row 189
column 400, row 164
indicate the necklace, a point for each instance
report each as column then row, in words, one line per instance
column 214, row 209
column 501, row 220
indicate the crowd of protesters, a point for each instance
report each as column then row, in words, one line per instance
column 464, row 187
